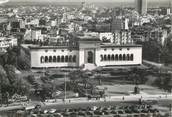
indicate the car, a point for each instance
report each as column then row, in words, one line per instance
column 99, row 108
column 114, row 112
column 137, row 110
column 129, row 111
column 106, row 112
column 94, row 108
column 153, row 110
column 81, row 113
column 106, row 108
column 113, row 108
column 90, row 113
column 145, row 111
column 57, row 115
column 66, row 114
column 98, row 112
column 121, row 112
column 45, row 111
column 70, row 110
column 116, row 116
column 73, row 114
column 52, row 111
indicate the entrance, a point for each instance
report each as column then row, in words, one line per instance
column 90, row 57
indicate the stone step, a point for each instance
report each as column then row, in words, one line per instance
column 89, row 66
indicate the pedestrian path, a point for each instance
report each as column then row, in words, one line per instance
column 137, row 97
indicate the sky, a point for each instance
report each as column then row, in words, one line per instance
column 85, row 0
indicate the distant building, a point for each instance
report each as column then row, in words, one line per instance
column 34, row 35
column 88, row 51
column 6, row 42
column 164, row 11
column 122, row 37
column 141, row 6
column 159, row 35
column 106, row 37
column 119, row 24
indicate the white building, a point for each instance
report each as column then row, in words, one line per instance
column 109, row 37
column 122, row 37
column 6, row 42
column 34, row 34
column 89, row 51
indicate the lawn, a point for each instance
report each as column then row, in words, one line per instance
column 117, row 89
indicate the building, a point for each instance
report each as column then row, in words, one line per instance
column 106, row 37
column 122, row 37
column 6, row 42
column 88, row 51
column 141, row 6
column 119, row 24
column 34, row 35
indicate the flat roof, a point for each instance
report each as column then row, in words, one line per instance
column 114, row 45
column 53, row 47
column 88, row 38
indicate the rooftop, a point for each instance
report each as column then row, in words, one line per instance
column 114, row 45
column 89, row 38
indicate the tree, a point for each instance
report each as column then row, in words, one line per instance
column 75, row 76
column 10, row 71
column 167, row 51
column 151, row 50
column 3, row 77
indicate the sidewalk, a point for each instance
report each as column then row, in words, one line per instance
column 137, row 97
column 110, row 98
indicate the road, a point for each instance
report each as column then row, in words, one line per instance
column 84, row 102
column 164, row 100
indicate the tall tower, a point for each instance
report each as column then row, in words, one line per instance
column 170, row 6
column 141, row 6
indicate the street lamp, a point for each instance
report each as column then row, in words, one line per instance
column 65, row 88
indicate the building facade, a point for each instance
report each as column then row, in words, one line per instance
column 141, row 6
column 6, row 42
column 88, row 51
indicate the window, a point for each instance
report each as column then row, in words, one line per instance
column 101, row 57
column 131, row 57
column 46, row 59
column 66, row 59
column 46, row 50
column 108, row 57
column 128, row 48
column 70, row 58
column 62, row 50
column 123, row 57
column 42, row 59
column 112, row 49
column 54, row 58
column 50, row 59
column 58, row 58
column 120, row 57
column 105, row 49
column 116, row 57
column 62, row 58
column 105, row 58
column 128, row 57
column 74, row 58
column 54, row 50
column 112, row 57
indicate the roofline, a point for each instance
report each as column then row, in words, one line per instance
column 53, row 47
column 111, row 46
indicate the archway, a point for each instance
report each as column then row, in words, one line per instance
column 90, row 58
